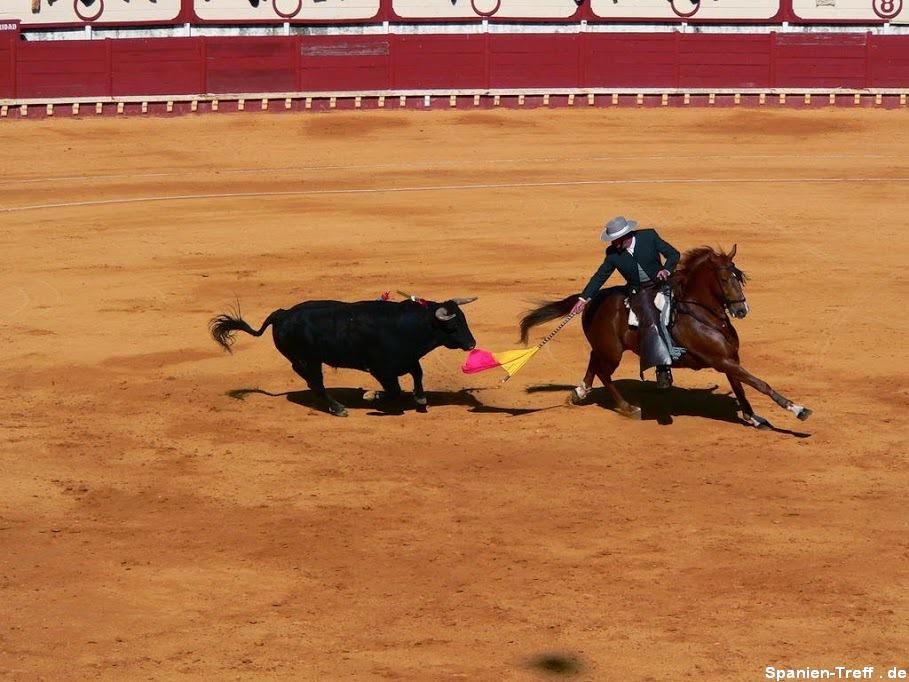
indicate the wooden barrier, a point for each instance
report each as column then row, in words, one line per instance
column 542, row 65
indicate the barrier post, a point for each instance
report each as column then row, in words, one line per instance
column 868, row 57
column 204, row 49
column 109, row 55
column 486, row 56
column 677, row 50
column 771, row 76
column 390, row 59
column 297, row 42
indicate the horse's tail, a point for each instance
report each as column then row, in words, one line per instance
column 545, row 313
column 223, row 327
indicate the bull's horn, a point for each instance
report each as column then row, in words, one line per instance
column 464, row 301
column 443, row 315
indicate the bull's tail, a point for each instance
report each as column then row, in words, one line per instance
column 545, row 313
column 223, row 327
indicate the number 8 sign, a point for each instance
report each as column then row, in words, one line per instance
column 887, row 9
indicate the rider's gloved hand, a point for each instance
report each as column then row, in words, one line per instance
column 579, row 306
column 663, row 275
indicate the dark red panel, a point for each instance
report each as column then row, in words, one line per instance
column 626, row 60
column 344, row 62
column 161, row 66
column 534, row 60
column 439, row 61
column 63, row 68
column 889, row 62
column 710, row 60
column 251, row 64
column 827, row 60
column 242, row 64
column 8, row 40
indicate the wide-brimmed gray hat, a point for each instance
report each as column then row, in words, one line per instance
column 617, row 227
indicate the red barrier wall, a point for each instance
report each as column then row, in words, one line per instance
column 363, row 62
column 221, row 65
column 889, row 61
column 66, row 68
column 156, row 67
column 830, row 60
column 8, row 42
column 245, row 64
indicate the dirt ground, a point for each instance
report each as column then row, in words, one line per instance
column 154, row 525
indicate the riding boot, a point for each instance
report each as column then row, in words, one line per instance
column 663, row 377
column 651, row 346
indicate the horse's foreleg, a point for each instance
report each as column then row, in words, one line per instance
column 736, row 372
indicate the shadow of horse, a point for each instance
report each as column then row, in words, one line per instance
column 352, row 398
column 661, row 406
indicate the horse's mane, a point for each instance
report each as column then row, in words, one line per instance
column 691, row 261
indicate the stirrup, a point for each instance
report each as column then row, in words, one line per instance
column 664, row 377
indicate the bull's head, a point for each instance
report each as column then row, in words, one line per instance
column 452, row 325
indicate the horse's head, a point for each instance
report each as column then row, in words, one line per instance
column 730, row 283
column 708, row 274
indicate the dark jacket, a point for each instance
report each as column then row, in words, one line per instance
column 647, row 249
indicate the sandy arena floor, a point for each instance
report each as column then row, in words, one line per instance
column 152, row 527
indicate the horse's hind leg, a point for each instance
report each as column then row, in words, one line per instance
column 312, row 374
column 604, row 369
column 735, row 371
column 747, row 413
column 579, row 393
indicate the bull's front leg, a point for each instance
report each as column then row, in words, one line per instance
column 419, row 396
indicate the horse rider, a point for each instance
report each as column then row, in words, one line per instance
column 636, row 255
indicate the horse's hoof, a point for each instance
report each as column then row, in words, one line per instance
column 373, row 396
column 342, row 412
column 803, row 414
column 421, row 400
column 577, row 396
column 631, row 413
column 758, row 422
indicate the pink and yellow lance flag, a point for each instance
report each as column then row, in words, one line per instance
column 479, row 360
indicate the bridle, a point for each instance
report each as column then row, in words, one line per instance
column 721, row 316
column 738, row 275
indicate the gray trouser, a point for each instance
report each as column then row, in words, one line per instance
column 653, row 348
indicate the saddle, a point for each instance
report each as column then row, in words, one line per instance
column 665, row 304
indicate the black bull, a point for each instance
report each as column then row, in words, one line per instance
column 383, row 338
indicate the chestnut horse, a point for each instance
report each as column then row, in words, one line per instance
column 707, row 287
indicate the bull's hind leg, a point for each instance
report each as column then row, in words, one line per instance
column 735, row 371
column 312, row 374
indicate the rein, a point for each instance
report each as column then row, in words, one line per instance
column 721, row 316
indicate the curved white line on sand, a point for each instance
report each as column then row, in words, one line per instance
column 449, row 188
column 433, row 163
